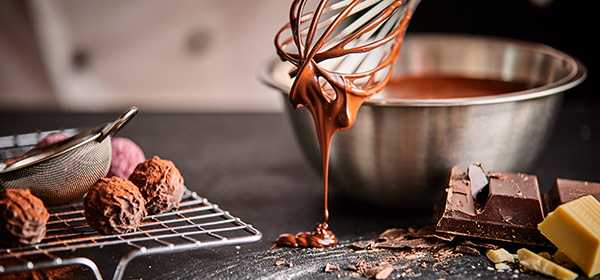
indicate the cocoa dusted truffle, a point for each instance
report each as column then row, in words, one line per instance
column 126, row 155
column 23, row 218
column 160, row 183
column 113, row 206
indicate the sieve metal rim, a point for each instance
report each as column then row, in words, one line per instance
column 98, row 133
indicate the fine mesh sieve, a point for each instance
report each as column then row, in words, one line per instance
column 65, row 170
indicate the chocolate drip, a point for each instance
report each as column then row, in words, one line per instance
column 319, row 238
column 334, row 97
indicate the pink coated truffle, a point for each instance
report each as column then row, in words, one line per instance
column 126, row 155
column 50, row 139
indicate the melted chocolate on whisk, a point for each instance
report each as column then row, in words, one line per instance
column 334, row 109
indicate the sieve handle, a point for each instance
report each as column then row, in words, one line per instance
column 111, row 128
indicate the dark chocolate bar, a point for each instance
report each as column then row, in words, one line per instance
column 565, row 190
column 509, row 208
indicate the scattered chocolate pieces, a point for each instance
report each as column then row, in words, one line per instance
column 410, row 243
column 23, row 218
column 282, row 262
column 468, row 250
column 361, row 267
column 361, row 246
column 480, row 245
column 425, row 237
column 380, row 271
column 331, row 268
column 422, row 238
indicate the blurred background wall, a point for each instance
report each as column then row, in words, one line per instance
column 96, row 55
column 203, row 55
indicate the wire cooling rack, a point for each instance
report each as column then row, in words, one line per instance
column 196, row 224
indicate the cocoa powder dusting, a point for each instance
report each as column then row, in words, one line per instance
column 114, row 206
column 161, row 184
column 23, row 218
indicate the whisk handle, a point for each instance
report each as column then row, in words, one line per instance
column 111, row 128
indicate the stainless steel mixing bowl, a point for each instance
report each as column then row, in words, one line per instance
column 399, row 152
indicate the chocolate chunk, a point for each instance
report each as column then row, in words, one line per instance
column 511, row 211
column 160, row 183
column 331, row 268
column 380, row 271
column 392, row 233
column 425, row 237
column 480, row 245
column 23, row 218
column 565, row 190
column 467, row 250
column 477, row 178
column 113, row 206
column 411, row 243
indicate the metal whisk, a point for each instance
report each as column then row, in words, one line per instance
column 349, row 42
column 65, row 170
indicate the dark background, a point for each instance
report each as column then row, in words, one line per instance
column 568, row 26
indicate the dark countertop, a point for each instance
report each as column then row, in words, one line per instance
column 250, row 165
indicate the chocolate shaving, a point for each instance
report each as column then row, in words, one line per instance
column 361, row 267
column 467, row 250
column 282, row 262
column 361, row 246
column 425, row 237
column 331, row 268
column 410, row 243
column 429, row 232
column 392, row 233
column 481, row 245
column 380, row 271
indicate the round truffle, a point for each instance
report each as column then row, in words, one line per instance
column 50, row 139
column 23, row 218
column 114, row 206
column 160, row 183
column 126, row 155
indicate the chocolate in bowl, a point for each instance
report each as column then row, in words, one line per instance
column 399, row 151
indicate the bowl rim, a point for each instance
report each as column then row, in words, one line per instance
column 574, row 78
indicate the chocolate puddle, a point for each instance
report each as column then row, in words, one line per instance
column 333, row 98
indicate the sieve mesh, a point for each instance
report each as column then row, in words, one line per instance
column 66, row 176
column 64, row 171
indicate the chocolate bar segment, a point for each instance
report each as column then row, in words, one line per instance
column 565, row 190
column 509, row 212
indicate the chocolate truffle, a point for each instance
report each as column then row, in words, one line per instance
column 23, row 218
column 113, row 206
column 126, row 155
column 50, row 139
column 160, row 183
